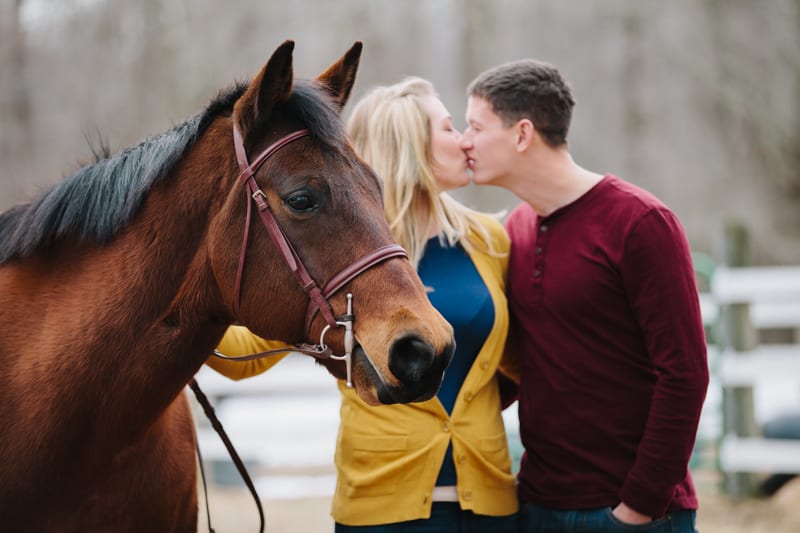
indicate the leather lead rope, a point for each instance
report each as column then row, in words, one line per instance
column 205, row 486
column 208, row 409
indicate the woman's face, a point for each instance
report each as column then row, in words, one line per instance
column 449, row 161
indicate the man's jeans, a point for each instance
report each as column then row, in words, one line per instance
column 540, row 520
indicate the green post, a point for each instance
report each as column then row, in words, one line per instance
column 737, row 332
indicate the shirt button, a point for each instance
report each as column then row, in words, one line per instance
column 543, row 227
column 537, row 273
column 538, row 250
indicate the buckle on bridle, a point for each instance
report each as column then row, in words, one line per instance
column 345, row 321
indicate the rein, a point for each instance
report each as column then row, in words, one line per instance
column 318, row 298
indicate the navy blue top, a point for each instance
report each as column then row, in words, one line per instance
column 457, row 291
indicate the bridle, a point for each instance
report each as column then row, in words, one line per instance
column 318, row 298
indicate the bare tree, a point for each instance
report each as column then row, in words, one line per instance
column 698, row 102
column 15, row 105
column 749, row 102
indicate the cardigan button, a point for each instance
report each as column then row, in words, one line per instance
column 467, row 495
column 469, row 396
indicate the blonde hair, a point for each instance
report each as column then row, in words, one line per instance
column 391, row 132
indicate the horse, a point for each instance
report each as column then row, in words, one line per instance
column 117, row 283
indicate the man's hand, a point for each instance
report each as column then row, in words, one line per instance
column 623, row 513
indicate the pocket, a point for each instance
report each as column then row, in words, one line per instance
column 658, row 525
column 372, row 466
column 495, row 451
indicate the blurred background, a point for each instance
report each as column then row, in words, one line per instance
column 697, row 101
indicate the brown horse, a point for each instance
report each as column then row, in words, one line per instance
column 117, row 283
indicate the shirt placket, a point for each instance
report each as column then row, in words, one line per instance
column 539, row 250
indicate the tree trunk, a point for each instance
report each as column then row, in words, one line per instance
column 15, row 106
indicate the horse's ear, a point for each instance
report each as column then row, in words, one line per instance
column 340, row 77
column 272, row 85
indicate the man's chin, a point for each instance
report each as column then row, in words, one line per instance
column 479, row 178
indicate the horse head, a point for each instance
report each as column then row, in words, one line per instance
column 328, row 214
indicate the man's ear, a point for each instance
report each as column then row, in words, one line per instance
column 526, row 134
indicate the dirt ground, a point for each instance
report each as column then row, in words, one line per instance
column 777, row 514
column 233, row 511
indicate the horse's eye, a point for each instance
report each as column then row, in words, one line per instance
column 301, row 202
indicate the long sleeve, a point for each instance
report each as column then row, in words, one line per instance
column 663, row 295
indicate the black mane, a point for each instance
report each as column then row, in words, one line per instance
column 100, row 199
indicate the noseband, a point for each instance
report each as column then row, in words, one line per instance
column 318, row 298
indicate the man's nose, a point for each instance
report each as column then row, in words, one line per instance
column 466, row 140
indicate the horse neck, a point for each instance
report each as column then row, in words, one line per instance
column 174, row 315
column 129, row 322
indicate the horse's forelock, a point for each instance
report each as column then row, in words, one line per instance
column 317, row 111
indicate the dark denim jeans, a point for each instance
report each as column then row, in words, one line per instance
column 541, row 520
column 445, row 517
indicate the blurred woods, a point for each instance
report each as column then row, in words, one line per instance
column 695, row 100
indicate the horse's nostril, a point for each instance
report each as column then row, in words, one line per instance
column 410, row 358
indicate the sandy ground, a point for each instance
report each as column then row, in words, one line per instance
column 778, row 514
column 233, row 511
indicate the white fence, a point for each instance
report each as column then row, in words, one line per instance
column 283, row 424
column 773, row 370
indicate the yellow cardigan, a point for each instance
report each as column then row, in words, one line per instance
column 388, row 457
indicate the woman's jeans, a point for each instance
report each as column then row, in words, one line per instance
column 446, row 517
column 539, row 519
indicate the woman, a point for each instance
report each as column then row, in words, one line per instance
column 440, row 465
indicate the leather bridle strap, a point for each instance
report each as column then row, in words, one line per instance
column 287, row 252
column 348, row 274
column 318, row 298
column 341, row 279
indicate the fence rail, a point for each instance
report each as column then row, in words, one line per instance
column 770, row 299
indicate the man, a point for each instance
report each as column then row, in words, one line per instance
column 605, row 319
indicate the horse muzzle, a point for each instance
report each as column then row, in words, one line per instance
column 417, row 367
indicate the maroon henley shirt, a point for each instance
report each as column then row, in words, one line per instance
column 606, row 322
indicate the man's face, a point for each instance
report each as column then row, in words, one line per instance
column 490, row 146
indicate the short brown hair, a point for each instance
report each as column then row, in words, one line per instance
column 530, row 89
